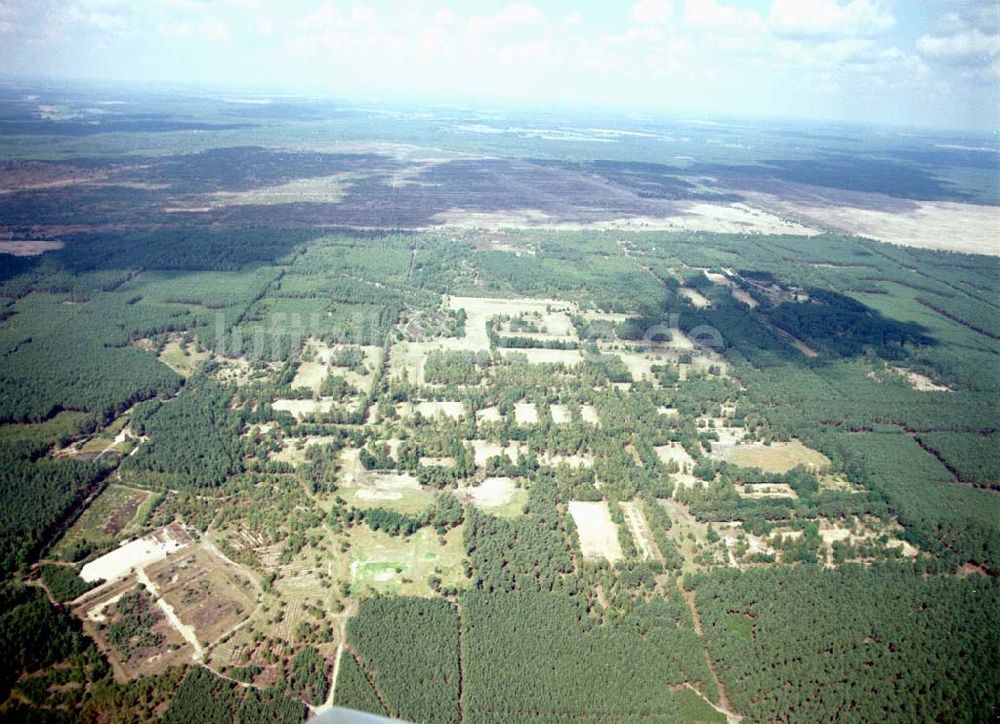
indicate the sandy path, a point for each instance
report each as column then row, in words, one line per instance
column 183, row 629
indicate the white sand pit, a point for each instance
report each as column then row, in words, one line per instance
column 589, row 414
column 598, row 533
column 135, row 554
column 386, row 486
column 668, row 411
column 526, row 413
column 560, row 414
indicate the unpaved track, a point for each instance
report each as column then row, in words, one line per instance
column 182, row 628
column 723, row 706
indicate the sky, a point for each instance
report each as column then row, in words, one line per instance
column 932, row 63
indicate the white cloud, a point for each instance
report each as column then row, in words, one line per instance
column 207, row 29
column 969, row 47
column 720, row 16
column 651, row 12
column 828, row 18
column 519, row 14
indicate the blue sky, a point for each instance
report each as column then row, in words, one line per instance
column 909, row 62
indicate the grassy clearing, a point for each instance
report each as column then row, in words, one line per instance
column 310, row 374
column 778, row 457
column 386, row 490
column 403, row 566
column 182, row 359
column 497, row 496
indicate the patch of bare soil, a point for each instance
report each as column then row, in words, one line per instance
column 946, row 225
column 28, row 247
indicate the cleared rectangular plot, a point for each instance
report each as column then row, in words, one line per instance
column 639, row 528
column 525, row 413
column 598, row 533
column 122, row 561
column 560, row 414
column 568, row 357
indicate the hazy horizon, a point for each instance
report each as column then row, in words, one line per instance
column 929, row 65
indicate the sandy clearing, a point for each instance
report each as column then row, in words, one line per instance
column 292, row 453
column 946, row 225
column 579, row 460
column 674, row 452
column 488, row 414
column 525, row 413
column 441, row 462
column 696, row 298
column 568, row 357
column 639, row 528
column 919, row 382
column 554, row 316
column 491, row 493
column 589, row 415
column 731, row 218
column 766, row 490
column 598, row 533
column 301, row 408
column 484, row 450
column 386, row 486
column 668, row 411
column 29, row 247
column 135, row 554
column 560, row 414
column 97, row 612
column 448, row 408
column 310, row 374
column 744, row 297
